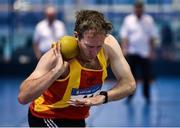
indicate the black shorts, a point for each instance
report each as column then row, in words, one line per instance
column 47, row 122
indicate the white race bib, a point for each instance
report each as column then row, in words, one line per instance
column 85, row 93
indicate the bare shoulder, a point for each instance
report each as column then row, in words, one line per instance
column 111, row 46
column 111, row 42
column 109, row 38
column 116, row 59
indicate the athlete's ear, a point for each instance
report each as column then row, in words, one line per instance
column 76, row 34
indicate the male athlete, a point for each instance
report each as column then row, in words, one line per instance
column 62, row 91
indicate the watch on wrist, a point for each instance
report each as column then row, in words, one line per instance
column 104, row 93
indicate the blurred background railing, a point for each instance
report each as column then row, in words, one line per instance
column 19, row 17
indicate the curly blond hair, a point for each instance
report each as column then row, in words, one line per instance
column 91, row 19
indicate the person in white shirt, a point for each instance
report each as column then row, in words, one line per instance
column 138, row 34
column 47, row 31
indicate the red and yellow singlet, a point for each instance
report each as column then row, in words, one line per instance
column 80, row 83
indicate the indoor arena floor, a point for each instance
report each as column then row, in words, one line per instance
column 163, row 111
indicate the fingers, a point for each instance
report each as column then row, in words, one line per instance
column 80, row 102
column 56, row 48
column 76, row 102
column 91, row 101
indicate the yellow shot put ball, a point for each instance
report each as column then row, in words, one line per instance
column 69, row 47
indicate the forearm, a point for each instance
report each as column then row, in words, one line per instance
column 152, row 54
column 33, row 88
column 152, row 44
column 121, row 90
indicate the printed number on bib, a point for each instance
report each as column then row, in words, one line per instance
column 85, row 93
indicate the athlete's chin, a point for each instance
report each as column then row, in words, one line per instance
column 90, row 58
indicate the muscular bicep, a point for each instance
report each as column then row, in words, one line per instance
column 116, row 59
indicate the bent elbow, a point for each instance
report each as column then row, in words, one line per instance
column 22, row 100
column 132, row 86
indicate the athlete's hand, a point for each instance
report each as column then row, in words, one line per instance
column 92, row 101
column 59, row 65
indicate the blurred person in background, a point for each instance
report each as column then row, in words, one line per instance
column 62, row 92
column 47, row 31
column 138, row 34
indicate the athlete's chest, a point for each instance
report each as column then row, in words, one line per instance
column 94, row 64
